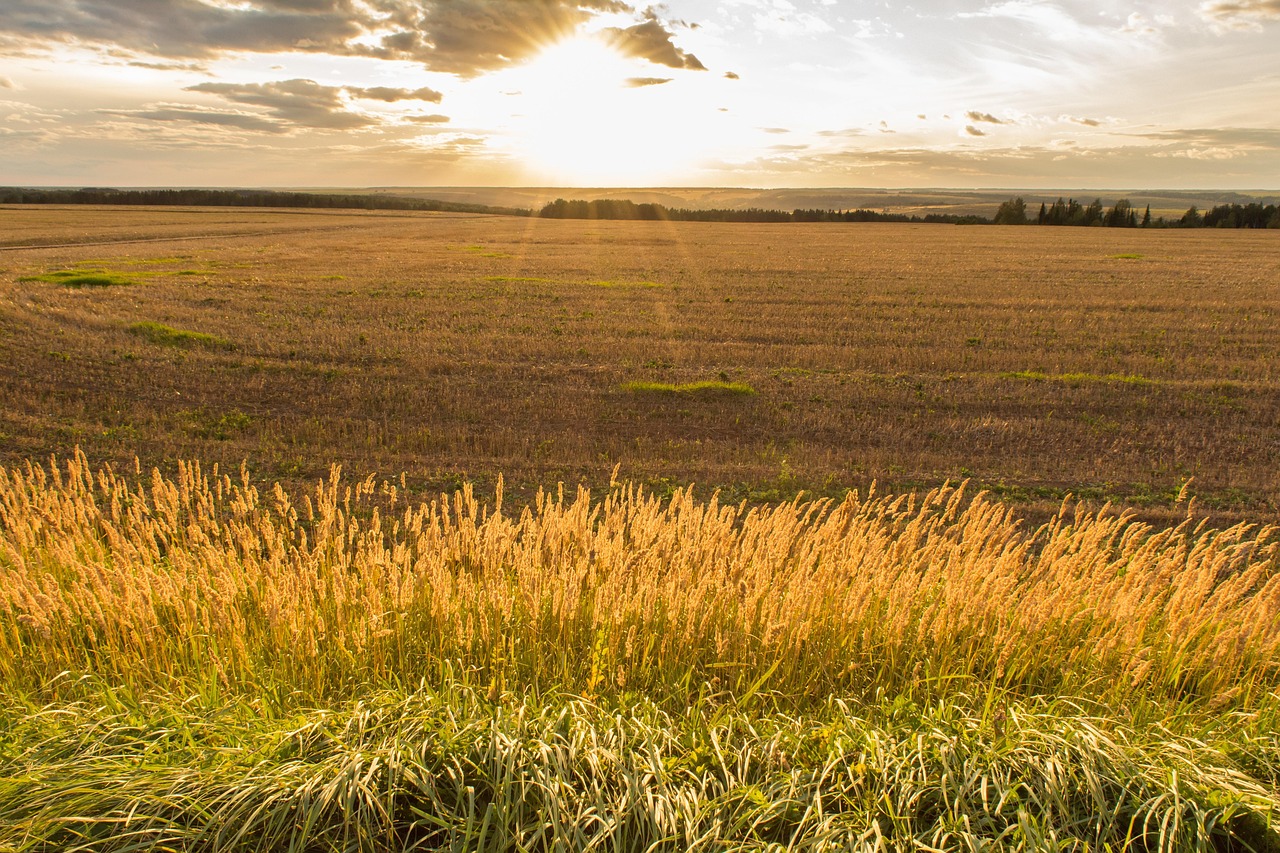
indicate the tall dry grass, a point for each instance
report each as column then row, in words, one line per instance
column 191, row 664
column 151, row 582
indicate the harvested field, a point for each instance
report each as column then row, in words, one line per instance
column 1112, row 364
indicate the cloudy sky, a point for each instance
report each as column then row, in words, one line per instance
column 765, row 93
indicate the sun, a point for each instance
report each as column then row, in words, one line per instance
column 591, row 116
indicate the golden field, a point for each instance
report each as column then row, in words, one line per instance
column 1113, row 364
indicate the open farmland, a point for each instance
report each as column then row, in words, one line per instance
column 231, row 645
column 1110, row 364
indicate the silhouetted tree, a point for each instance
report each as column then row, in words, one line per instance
column 1146, row 218
column 1092, row 213
column 1121, row 215
column 1012, row 212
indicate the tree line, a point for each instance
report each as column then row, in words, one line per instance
column 626, row 209
column 1124, row 215
column 1012, row 212
column 1068, row 212
column 243, row 198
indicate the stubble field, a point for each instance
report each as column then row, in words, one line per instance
column 1110, row 364
column 425, row 652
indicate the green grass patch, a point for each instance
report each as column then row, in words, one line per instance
column 516, row 279
column 82, row 278
column 1128, row 256
column 708, row 388
column 218, row 426
column 608, row 283
column 158, row 333
column 485, row 252
column 1077, row 378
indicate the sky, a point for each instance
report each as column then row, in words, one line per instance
column 742, row 93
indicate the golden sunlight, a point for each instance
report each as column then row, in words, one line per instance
column 593, row 116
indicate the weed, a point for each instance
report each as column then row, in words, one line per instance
column 223, row 426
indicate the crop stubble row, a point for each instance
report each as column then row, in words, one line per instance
column 1034, row 361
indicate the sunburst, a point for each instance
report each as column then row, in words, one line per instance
column 585, row 121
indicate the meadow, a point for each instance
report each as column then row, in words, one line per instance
column 373, row 532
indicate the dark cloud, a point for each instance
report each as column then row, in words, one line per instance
column 637, row 82
column 13, row 135
column 467, row 37
column 1225, row 137
column 973, row 131
column 1087, row 122
column 390, row 96
column 304, row 103
column 186, row 28
column 430, row 119
column 463, row 37
column 1008, row 166
column 731, row 75
column 242, row 121
column 1240, row 14
column 651, row 40
column 170, row 66
column 988, row 118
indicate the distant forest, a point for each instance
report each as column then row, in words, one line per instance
column 625, row 209
column 1124, row 215
column 244, row 198
column 1012, row 212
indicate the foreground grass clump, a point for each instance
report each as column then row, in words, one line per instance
column 705, row 387
column 193, row 664
column 83, row 278
column 450, row 770
column 158, row 333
